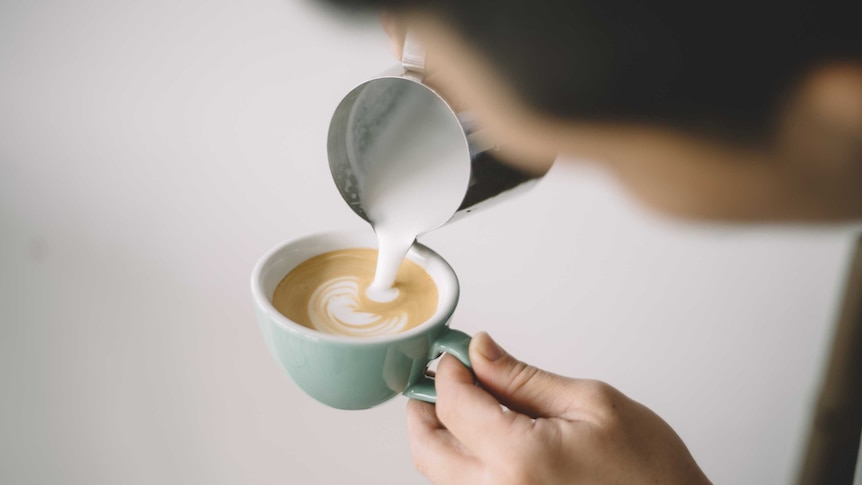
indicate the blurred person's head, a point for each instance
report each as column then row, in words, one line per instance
column 737, row 110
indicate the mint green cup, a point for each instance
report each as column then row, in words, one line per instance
column 357, row 372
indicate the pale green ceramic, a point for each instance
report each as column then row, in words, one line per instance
column 353, row 372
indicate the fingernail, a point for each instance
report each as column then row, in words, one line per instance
column 487, row 347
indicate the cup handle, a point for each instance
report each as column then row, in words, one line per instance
column 455, row 343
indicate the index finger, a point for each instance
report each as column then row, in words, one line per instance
column 396, row 30
column 471, row 414
column 436, row 453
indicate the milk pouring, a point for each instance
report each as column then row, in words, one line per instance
column 405, row 161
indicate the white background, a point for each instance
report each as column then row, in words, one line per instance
column 151, row 151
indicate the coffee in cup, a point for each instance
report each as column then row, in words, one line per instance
column 347, row 371
column 329, row 293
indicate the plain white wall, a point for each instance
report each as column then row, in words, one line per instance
column 151, row 151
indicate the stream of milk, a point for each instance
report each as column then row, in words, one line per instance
column 414, row 176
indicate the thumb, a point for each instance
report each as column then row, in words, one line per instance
column 519, row 386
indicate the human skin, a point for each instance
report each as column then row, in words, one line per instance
column 561, row 430
column 808, row 170
column 555, row 430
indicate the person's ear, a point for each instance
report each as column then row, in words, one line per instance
column 833, row 94
column 821, row 125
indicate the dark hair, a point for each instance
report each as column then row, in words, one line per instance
column 711, row 67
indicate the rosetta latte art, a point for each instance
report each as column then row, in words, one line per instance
column 336, row 307
column 328, row 293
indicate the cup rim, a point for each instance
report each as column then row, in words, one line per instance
column 264, row 304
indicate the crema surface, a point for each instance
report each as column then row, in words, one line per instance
column 328, row 293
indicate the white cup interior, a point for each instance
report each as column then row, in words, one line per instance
column 277, row 263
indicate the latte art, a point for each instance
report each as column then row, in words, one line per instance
column 336, row 307
column 328, row 293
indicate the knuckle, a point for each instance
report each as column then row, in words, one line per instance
column 519, row 376
column 601, row 393
column 607, row 402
